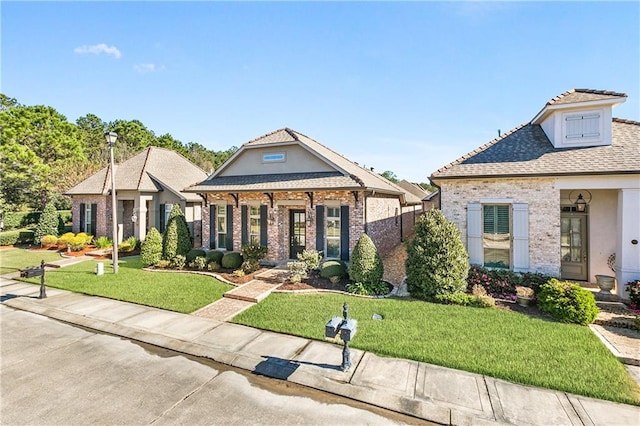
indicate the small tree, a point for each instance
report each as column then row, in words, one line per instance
column 366, row 265
column 48, row 224
column 437, row 261
column 177, row 240
column 151, row 249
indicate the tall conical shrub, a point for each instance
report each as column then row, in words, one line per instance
column 177, row 240
column 437, row 261
column 366, row 265
column 151, row 249
column 48, row 224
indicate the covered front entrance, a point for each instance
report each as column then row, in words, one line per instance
column 297, row 232
column 574, row 251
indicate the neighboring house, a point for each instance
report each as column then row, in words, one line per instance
column 288, row 192
column 431, row 201
column 557, row 195
column 147, row 186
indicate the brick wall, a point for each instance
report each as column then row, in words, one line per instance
column 544, row 212
column 103, row 213
column 383, row 222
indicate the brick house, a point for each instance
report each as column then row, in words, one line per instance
column 147, row 186
column 288, row 192
column 557, row 195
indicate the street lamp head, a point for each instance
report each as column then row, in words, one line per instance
column 111, row 138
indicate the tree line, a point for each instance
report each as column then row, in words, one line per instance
column 42, row 154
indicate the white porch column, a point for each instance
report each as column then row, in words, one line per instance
column 140, row 210
column 628, row 247
column 120, row 214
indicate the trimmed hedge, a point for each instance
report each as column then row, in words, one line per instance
column 151, row 249
column 215, row 256
column 193, row 253
column 19, row 236
column 232, row 260
column 567, row 302
column 333, row 268
column 17, row 220
column 366, row 263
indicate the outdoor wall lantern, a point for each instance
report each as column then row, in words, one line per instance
column 580, row 201
column 111, row 140
column 134, row 217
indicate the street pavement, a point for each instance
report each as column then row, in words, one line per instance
column 56, row 373
column 424, row 391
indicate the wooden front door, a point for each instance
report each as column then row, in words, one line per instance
column 297, row 232
column 573, row 246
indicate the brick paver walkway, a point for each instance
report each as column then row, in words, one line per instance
column 223, row 309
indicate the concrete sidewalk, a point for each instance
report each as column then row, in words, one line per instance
column 422, row 390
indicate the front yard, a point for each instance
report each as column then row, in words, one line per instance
column 180, row 292
column 501, row 344
column 14, row 259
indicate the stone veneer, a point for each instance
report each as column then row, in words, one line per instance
column 383, row 227
column 544, row 212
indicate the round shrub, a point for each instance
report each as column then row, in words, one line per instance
column 199, row 263
column 65, row 239
column 231, row 260
column 333, row 268
column 437, row 261
column 366, row 264
column 86, row 237
column 48, row 223
column 177, row 240
column 151, row 250
column 215, row 256
column 567, row 302
column 48, row 240
column 192, row 254
column 253, row 252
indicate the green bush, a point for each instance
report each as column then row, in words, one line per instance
column 437, row 261
column 65, row 239
column 215, row 256
column 366, row 264
column 16, row 220
column 465, row 299
column 199, row 263
column 250, row 266
column 129, row 245
column 297, row 271
column 178, row 262
column 48, row 223
column 253, row 252
column 48, row 241
column 151, row 249
column 78, row 242
column 193, row 253
column 177, row 240
column 103, row 242
column 88, row 239
column 231, row 260
column 370, row 289
column 213, row 266
column 311, row 258
column 18, row 236
column 567, row 302
column 333, row 268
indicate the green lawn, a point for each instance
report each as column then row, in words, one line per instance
column 180, row 292
column 14, row 259
column 497, row 343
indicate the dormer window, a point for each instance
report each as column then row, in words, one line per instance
column 580, row 127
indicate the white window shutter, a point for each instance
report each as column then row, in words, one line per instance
column 521, row 237
column 474, row 233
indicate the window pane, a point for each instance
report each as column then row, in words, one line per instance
column 496, row 237
column 333, row 228
column 333, row 248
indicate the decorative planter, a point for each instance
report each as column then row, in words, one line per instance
column 523, row 301
column 606, row 283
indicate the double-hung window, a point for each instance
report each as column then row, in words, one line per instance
column 254, row 224
column 496, row 236
column 221, row 226
column 332, row 249
column 89, row 226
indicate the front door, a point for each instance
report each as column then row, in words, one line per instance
column 297, row 232
column 573, row 246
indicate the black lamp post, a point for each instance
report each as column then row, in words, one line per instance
column 111, row 140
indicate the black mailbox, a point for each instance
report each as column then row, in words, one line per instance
column 348, row 330
column 331, row 328
column 32, row 271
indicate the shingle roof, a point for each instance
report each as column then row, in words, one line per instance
column 526, row 151
column 584, row 95
column 147, row 171
column 352, row 176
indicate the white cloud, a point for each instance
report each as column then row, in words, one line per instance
column 97, row 49
column 145, row 68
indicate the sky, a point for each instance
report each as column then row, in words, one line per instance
column 402, row 86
